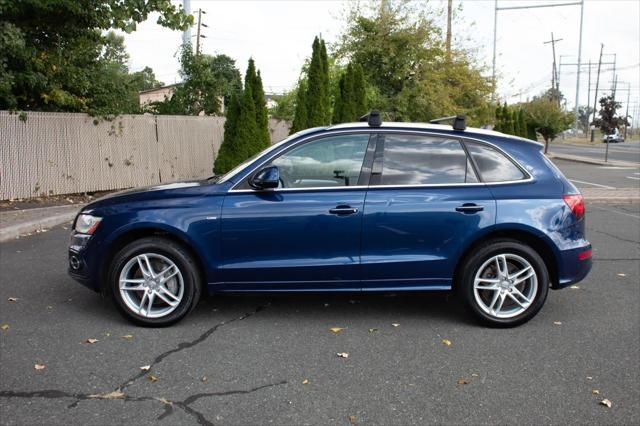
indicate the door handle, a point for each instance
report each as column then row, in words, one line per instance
column 343, row 210
column 469, row 208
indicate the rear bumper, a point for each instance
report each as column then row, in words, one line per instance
column 572, row 267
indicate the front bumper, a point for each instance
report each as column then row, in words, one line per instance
column 78, row 267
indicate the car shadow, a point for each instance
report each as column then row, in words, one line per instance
column 440, row 306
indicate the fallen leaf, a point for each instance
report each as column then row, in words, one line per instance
column 446, row 342
column 165, row 401
column 127, row 336
column 92, row 341
column 204, row 378
column 474, row 375
column 595, row 391
column 305, row 382
column 352, row 419
column 606, row 403
column 12, row 299
column 107, row 334
column 463, row 382
column 373, row 330
column 4, row 326
column 145, row 367
column 589, row 378
column 622, row 275
column 153, row 378
column 39, row 366
column 49, row 307
column 110, row 395
column 557, row 322
column 395, row 324
column 336, row 329
column 575, row 287
column 343, row 354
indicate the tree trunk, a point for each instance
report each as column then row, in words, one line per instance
column 546, row 145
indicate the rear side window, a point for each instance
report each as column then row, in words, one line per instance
column 424, row 160
column 493, row 166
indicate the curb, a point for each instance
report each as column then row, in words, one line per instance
column 586, row 160
column 14, row 231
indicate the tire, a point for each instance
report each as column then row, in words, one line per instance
column 172, row 295
column 526, row 273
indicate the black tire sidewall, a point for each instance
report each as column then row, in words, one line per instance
column 175, row 253
column 476, row 259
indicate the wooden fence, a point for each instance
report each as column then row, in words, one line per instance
column 66, row 153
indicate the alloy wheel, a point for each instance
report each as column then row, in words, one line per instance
column 151, row 285
column 505, row 285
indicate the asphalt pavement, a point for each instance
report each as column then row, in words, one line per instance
column 598, row 176
column 625, row 151
column 271, row 359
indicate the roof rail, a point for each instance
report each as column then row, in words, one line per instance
column 372, row 118
column 459, row 121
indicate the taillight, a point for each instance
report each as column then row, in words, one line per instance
column 576, row 204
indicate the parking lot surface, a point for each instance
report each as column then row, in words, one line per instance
column 272, row 359
column 625, row 151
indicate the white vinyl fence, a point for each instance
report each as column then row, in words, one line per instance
column 66, row 153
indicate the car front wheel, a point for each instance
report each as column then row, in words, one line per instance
column 154, row 282
column 504, row 283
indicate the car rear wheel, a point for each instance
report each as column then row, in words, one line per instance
column 504, row 283
column 154, row 281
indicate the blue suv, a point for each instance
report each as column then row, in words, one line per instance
column 360, row 207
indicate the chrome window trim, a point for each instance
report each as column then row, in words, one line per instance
column 372, row 131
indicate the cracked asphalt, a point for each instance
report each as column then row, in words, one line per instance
column 242, row 359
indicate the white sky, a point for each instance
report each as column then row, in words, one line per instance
column 278, row 35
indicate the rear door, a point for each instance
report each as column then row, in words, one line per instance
column 424, row 203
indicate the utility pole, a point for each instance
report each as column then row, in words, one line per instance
column 586, row 130
column 449, row 13
column 495, row 31
column 626, row 114
column 198, row 33
column 555, row 89
column 579, row 62
column 186, row 34
column 595, row 97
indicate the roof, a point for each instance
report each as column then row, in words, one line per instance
column 426, row 126
column 169, row 86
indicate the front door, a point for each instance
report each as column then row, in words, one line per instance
column 425, row 202
column 306, row 233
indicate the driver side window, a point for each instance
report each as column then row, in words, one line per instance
column 327, row 162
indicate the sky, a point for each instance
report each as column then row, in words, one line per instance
column 278, row 35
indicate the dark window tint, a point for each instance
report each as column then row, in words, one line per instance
column 422, row 160
column 332, row 161
column 493, row 166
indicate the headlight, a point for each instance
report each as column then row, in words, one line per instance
column 87, row 224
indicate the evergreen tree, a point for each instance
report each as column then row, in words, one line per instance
column 337, row 104
column 315, row 85
column 254, row 81
column 498, row 125
column 507, row 122
column 516, row 123
column 326, row 86
column 522, row 123
column 300, row 118
column 246, row 133
column 348, row 97
column 359, row 90
column 228, row 153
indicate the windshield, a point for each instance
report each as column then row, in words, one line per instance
column 237, row 169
